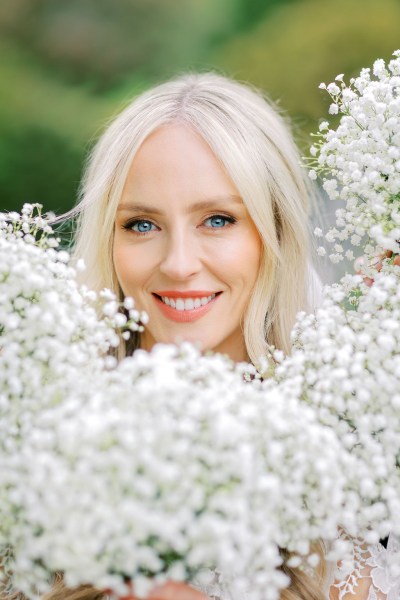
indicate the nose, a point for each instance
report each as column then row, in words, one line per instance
column 181, row 258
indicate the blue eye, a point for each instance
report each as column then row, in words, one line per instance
column 219, row 221
column 139, row 226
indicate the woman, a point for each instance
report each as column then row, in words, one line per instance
column 195, row 204
column 201, row 138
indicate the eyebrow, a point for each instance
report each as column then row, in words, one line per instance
column 200, row 205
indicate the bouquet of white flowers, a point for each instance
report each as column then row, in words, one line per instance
column 49, row 325
column 346, row 356
column 346, row 364
column 359, row 161
column 159, row 467
column 167, row 465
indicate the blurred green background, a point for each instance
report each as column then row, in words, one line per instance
column 67, row 66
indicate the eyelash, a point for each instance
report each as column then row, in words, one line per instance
column 129, row 224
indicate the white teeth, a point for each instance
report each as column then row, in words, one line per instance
column 180, row 304
column 187, row 303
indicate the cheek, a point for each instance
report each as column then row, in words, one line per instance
column 129, row 267
column 237, row 262
column 245, row 258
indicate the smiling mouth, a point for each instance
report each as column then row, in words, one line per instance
column 186, row 304
column 185, row 310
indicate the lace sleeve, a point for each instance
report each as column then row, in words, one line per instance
column 375, row 576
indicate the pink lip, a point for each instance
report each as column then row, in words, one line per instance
column 184, row 316
column 187, row 294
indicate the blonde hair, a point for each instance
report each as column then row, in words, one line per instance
column 256, row 148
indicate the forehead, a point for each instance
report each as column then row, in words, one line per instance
column 175, row 159
column 173, row 146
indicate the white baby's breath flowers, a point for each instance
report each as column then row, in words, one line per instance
column 169, row 464
column 159, row 467
column 49, row 325
column 346, row 365
column 47, row 321
column 359, row 160
column 346, row 360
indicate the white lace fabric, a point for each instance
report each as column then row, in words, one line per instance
column 375, row 575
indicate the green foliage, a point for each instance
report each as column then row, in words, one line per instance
column 45, row 127
column 31, row 97
column 45, row 130
column 251, row 11
column 302, row 44
column 101, row 42
column 37, row 165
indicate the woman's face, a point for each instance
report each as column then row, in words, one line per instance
column 185, row 247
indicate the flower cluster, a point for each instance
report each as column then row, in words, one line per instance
column 166, row 465
column 346, row 358
column 159, row 467
column 50, row 329
column 359, row 161
column 346, row 365
column 47, row 320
